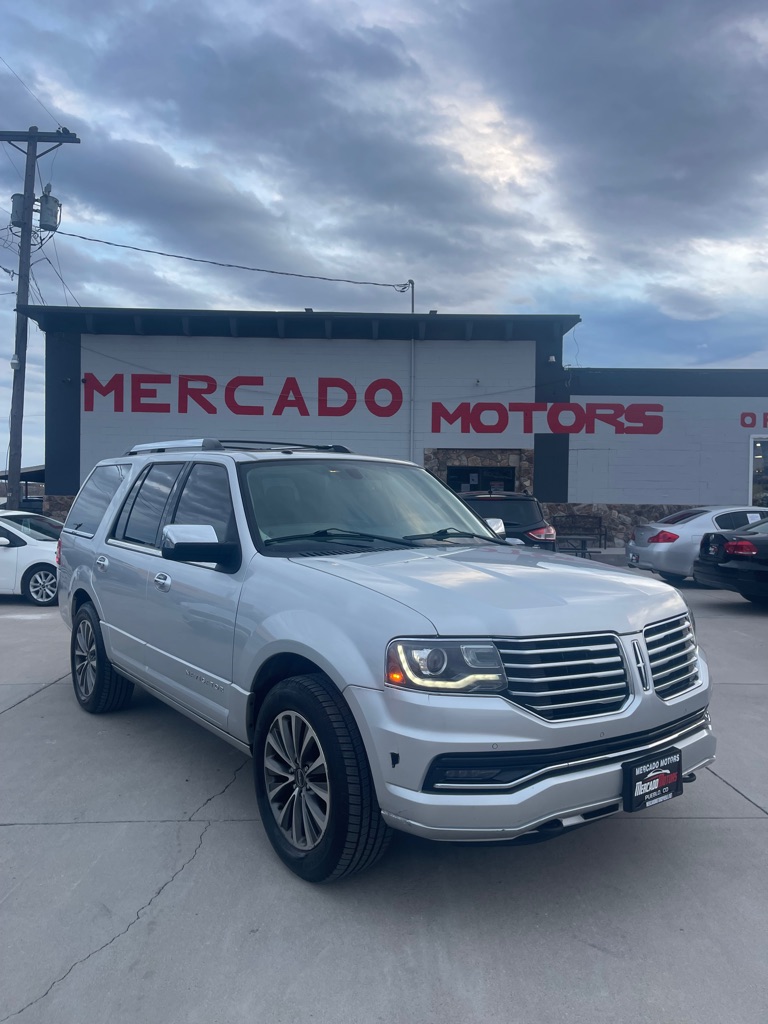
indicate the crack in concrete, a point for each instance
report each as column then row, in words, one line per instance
column 119, row 934
column 735, row 790
column 223, row 791
column 30, row 695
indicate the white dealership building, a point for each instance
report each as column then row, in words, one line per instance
column 483, row 401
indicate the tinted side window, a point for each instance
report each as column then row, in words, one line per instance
column 206, row 499
column 94, row 497
column 730, row 521
column 142, row 525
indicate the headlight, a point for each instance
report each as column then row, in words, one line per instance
column 446, row 666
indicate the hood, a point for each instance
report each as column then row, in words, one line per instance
column 489, row 590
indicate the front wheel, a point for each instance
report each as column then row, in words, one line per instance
column 98, row 687
column 40, row 584
column 313, row 783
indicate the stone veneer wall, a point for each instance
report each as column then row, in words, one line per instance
column 618, row 520
column 57, row 505
column 437, row 461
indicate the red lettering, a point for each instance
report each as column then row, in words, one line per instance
column 143, row 390
column 324, row 385
column 187, row 392
column 609, row 413
column 230, row 396
column 395, row 397
column 527, row 409
column 93, row 386
column 748, row 419
column 496, row 409
column 642, row 415
column 461, row 414
column 557, row 410
column 290, row 398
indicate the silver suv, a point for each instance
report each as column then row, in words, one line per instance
column 385, row 657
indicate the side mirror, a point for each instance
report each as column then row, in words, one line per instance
column 198, row 544
column 4, row 542
column 497, row 525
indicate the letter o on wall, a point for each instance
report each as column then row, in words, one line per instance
column 748, row 419
column 497, row 410
column 568, row 409
column 395, row 397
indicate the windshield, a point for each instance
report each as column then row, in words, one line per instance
column 384, row 499
column 36, row 527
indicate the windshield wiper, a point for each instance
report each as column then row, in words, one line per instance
column 449, row 532
column 336, row 533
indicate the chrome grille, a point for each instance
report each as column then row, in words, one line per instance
column 562, row 677
column 672, row 656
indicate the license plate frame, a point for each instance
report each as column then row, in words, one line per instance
column 653, row 779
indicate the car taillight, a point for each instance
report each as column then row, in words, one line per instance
column 663, row 537
column 58, row 552
column 740, row 547
column 543, row 533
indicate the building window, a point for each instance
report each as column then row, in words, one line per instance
column 760, row 471
column 481, row 478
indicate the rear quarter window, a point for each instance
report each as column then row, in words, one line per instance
column 94, row 498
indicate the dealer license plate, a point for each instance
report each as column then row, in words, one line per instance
column 653, row 779
column 634, row 559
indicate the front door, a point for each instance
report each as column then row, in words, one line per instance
column 9, row 560
column 191, row 607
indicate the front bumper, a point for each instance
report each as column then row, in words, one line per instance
column 406, row 733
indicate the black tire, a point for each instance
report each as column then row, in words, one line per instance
column 672, row 577
column 98, row 687
column 40, row 584
column 759, row 599
column 336, row 834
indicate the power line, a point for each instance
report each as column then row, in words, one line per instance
column 34, row 97
column 63, row 282
column 238, row 266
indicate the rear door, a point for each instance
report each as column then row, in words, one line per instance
column 124, row 563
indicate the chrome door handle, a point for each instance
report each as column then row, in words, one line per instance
column 102, row 563
column 163, row 582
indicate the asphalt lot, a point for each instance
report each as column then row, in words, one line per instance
column 136, row 884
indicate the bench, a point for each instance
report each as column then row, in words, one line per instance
column 580, row 533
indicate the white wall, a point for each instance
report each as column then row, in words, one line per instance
column 446, row 372
column 701, row 455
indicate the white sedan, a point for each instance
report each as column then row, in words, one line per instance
column 28, row 556
column 670, row 545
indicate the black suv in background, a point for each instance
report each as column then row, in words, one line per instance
column 521, row 513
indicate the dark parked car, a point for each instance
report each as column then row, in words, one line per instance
column 737, row 560
column 521, row 513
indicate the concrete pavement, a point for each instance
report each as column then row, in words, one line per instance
column 136, row 884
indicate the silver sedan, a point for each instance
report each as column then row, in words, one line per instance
column 670, row 545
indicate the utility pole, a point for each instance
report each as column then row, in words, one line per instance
column 19, row 361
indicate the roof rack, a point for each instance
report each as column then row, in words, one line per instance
column 214, row 444
column 205, row 443
column 247, row 445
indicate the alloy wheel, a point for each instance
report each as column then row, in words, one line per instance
column 42, row 586
column 85, row 659
column 296, row 775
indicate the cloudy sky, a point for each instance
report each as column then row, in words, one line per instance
column 601, row 157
